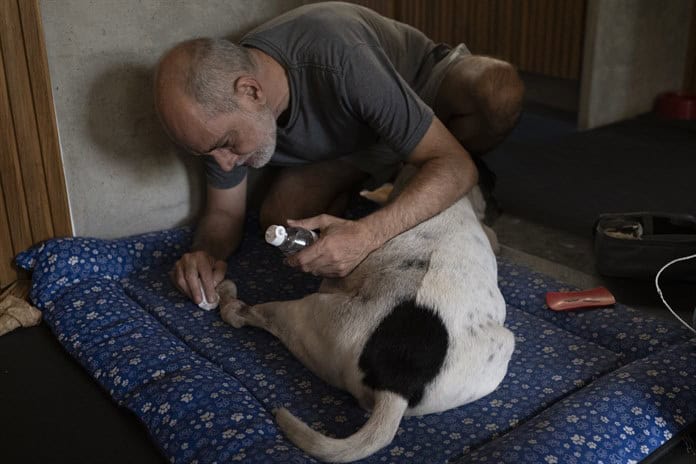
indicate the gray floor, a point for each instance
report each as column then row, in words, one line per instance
column 556, row 252
column 569, row 258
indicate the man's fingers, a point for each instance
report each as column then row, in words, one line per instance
column 314, row 262
column 303, row 258
column 193, row 282
column 179, row 279
column 219, row 270
column 197, row 274
column 206, row 282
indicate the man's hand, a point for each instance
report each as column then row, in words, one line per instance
column 342, row 245
column 196, row 268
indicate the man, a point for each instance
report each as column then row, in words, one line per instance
column 335, row 94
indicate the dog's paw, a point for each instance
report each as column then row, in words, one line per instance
column 227, row 291
column 233, row 312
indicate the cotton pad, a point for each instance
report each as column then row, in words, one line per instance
column 208, row 306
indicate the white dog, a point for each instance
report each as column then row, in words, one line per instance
column 416, row 328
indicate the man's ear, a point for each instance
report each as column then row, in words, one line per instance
column 248, row 87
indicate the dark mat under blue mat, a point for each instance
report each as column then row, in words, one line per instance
column 554, row 175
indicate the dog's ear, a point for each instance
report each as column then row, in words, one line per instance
column 379, row 195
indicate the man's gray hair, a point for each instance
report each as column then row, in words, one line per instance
column 214, row 67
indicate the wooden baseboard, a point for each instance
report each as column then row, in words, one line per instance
column 18, row 288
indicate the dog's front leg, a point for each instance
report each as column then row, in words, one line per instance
column 232, row 310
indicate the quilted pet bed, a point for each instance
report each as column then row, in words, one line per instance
column 602, row 385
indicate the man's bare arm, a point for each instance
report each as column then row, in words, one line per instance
column 218, row 234
column 446, row 172
column 219, row 230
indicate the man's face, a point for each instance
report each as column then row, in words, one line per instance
column 242, row 137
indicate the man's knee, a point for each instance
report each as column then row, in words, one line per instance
column 498, row 92
column 278, row 211
column 272, row 212
column 278, row 207
column 302, row 192
column 485, row 90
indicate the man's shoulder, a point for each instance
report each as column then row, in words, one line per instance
column 324, row 15
column 316, row 27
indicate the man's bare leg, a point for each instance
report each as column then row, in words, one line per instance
column 479, row 101
column 305, row 191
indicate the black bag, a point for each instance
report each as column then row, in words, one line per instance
column 638, row 245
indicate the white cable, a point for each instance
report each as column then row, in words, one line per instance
column 659, row 291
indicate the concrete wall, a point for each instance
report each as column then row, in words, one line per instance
column 123, row 175
column 634, row 50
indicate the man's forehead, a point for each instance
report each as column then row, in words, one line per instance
column 186, row 125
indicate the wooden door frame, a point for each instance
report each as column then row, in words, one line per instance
column 33, row 196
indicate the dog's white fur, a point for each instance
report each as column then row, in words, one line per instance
column 328, row 330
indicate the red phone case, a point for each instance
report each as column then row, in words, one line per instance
column 564, row 301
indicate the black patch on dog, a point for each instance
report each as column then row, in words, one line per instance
column 405, row 352
column 420, row 264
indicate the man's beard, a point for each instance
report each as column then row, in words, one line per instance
column 267, row 123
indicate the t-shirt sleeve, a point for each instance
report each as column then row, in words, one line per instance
column 219, row 179
column 380, row 96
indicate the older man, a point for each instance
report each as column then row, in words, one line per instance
column 335, row 94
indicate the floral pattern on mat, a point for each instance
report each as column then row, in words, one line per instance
column 603, row 385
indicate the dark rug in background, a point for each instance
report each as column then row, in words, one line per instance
column 550, row 173
column 557, row 176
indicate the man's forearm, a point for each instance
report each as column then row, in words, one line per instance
column 218, row 235
column 437, row 184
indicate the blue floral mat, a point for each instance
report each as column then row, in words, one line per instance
column 602, row 385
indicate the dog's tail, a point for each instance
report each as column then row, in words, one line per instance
column 378, row 431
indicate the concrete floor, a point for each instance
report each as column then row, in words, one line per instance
column 556, row 252
column 569, row 258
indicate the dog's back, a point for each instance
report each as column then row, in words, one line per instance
column 416, row 328
column 430, row 298
column 420, row 330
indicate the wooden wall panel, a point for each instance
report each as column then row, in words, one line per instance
column 6, row 271
column 690, row 72
column 537, row 36
column 40, row 80
column 34, row 199
column 14, row 206
column 21, row 102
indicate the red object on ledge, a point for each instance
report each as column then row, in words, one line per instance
column 564, row 301
column 675, row 105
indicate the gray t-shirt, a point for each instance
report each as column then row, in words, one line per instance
column 352, row 75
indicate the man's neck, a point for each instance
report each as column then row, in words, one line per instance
column 273, row 79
